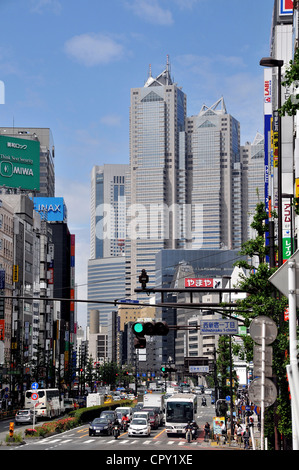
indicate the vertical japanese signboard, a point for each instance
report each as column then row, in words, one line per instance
column 286, row 229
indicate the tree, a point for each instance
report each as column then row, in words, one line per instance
column 264, row 299
column 223, row 366
column 110, row 373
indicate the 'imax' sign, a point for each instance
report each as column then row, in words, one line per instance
column 52, row 209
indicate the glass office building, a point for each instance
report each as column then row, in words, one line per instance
column 214, row 178
column 106, row 266
column 156, row 182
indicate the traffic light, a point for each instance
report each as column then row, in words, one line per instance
column 167, row 369
column 150, row 329
column 143, row 279
column 139, row 341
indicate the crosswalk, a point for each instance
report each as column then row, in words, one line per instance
column 102, row 441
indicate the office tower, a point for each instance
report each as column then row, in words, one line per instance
column 46, row 157
column 214, row 178
column 108, row 211
column 106, row 266
column 156, row 182
column 253, row 181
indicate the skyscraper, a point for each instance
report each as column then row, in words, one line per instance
column 106, row 266
column 156, row 182
column 214, row 178
column 252, row 156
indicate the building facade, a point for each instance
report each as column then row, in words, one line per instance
column 214, row 178
column 106, row 266
column 46, row 157
column 153, row 196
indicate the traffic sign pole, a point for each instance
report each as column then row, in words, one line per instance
column 263, row 331
column 286, row 280
column 263, row 385
column 292, row 369
column 34, row 396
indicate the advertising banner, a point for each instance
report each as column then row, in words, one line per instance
column 286, row 230
column 19, row 163
column 203, row 282
column 52, row 209
column 267, row 132
column 285, row 7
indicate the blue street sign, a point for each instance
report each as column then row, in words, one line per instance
column 34, row 386
column 221, row 327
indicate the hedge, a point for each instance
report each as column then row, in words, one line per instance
column 85, row 415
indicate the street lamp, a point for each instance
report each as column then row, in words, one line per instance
column 270, row 62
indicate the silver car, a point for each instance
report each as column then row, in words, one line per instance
column 24, row 416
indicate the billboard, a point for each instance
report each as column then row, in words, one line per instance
column 52, row 209
column 285, row 7
column 203, row 282
column 19, row 163
column 284, row 11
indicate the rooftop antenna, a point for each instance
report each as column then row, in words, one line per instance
column 150, row 70
column 168, row 69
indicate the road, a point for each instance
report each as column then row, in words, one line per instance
column 79, row 439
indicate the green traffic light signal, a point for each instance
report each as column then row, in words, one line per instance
column 163, row 369
column 138, row 328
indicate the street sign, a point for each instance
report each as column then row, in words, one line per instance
column 280, row 278
column 219, row 327
column 34, row 386
column 34, row 396
column 200, row 369
column 256, row 328
column 254, row 392
column 257, row 360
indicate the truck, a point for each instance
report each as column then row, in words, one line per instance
column 155, row 400
column 94, row 399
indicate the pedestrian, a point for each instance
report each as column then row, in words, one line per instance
column 207, row 431
column 246, row 437
column 223, row 430
column 239, row 434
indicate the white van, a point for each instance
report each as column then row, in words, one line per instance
column 124, row 410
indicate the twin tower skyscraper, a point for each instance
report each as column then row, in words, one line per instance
column 183, row 188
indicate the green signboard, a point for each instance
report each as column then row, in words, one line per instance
column 286, row 248
column 19, row 163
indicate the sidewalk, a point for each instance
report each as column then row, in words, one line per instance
column 254, row 443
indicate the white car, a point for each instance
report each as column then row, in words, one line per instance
column 139, row 427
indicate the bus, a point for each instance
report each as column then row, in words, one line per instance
column 47, row 405
column 180, row 408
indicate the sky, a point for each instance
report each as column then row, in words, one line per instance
column 69, row 65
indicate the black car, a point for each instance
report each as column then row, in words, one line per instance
column 108, row 414
column 100, row 426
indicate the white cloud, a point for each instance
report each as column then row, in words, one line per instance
column 93, row 49
column 112, row 120
column 150, row 11
column 38, row 6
